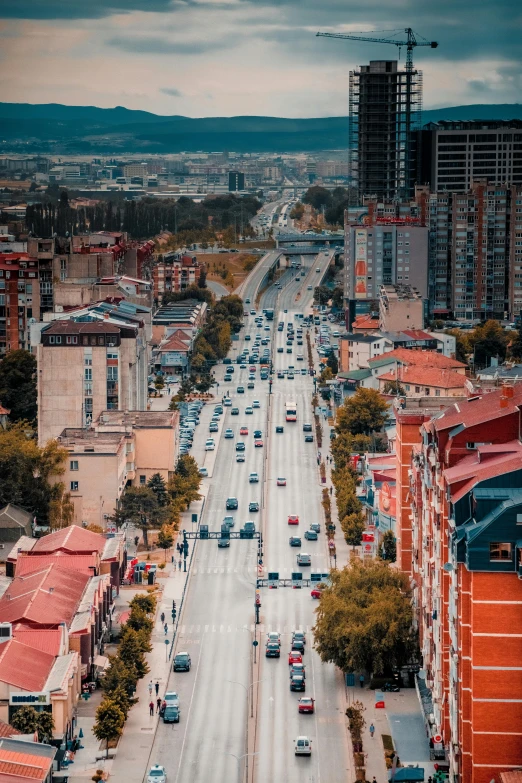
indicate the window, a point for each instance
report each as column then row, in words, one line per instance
column 417, row 390
column 500, row 551
column 143, row 480
column 74, row 486
column 88, row 373
column 73, row 465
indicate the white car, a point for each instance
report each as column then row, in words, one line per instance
column 303, row 746
column 210, row 445
column 256, row 404
column 203, row 471
column 157, row 774
column 253, row 478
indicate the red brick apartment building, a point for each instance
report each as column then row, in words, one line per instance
column 459, row 529
column 176, row 272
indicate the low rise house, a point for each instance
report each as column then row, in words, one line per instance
column 26, row 762
column 415, row 381
column 15, row 523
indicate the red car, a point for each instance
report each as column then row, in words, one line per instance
column 243, row 431
column 306, row 704
column 281, row 482
column 294, row 657
column 316, row 592
column 252, row 368
column 258, row 444
column 293, row 519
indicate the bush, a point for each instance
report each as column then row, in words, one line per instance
column 387, row 742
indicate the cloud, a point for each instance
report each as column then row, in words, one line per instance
column 159, row 46
column 479, row 86
column 77, row 9
column 171, row 91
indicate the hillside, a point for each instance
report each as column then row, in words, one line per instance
column 55, row 128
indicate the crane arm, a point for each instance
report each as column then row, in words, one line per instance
column 433, row 44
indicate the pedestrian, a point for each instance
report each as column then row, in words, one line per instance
column 162, row 617
column 158, row 704
column 361, row 680
column 372, row 729
column 136, row 541
column 156, row 686
column 151, row 707
column 331, row 490
column 174, row 563
column 150, row 688
column 430, row 779
column 166, row 629
column 374, row 779
column 179, row 564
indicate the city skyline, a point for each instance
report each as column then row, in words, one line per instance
column 209, row 58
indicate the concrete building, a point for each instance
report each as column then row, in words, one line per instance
column 86, row 367
column 236, row 181
column 176, row 272
column 418, row 381
column 455, row 154
column 387, row 253
column 465, row 504
column 121, row 449
column 400, row 307
column 135, row 170
column 356, row 350
column 385, row 107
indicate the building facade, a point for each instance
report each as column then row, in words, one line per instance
column 175, row 273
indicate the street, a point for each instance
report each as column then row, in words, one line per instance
column 217, row 626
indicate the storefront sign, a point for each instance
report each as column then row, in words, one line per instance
column 360, row 264
column 23, row 699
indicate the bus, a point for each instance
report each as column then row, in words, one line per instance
column 291, row 411
column 269, row 314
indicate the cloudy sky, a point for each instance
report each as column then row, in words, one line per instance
column 246, row 57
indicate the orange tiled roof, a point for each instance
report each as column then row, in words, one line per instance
column 23, row 765
column 478, row 409
column 6, row 730
column 24, row 667
column 427, row 376
column 420, row 359
column 28, row 562
column 48, row 640
column 73, row 539
column 174, row 344
column 365, row 322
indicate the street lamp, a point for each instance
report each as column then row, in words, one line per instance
column 255, row 682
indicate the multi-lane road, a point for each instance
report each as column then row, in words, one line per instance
column 217, row 627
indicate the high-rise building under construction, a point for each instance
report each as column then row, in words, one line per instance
column 385, row 107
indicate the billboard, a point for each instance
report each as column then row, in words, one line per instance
column 387, row 500
column 360, row 289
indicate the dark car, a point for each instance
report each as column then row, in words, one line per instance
column 253, row 506
column 182, row 662
column 234, row 412
column 258, row 434
column 297, row 683
column 315, row 526
column 240, row 446
column 294, row 541
column 231, row 504
column 171, row 714
column 307, row 428
column 223, row 542
column 309, row 438
column 280, row 428
column 273, row 650
column 298, row 644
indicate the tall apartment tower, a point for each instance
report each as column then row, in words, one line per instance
column 385, row 107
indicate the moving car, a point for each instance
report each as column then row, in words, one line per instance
column 203, row 471
column 258, row 444
column 307, row 427
column 210, row 445
column 258, row 434
column 240, row 390
column 316, row 592
column 303, row 746
column 228, row 521
column 298, row 635
column 229, row 433
column 243, row 431
column 294, row 656
column 234, row 412
column 315, row 526
column 293, row 519
column 223, row 542
column 303, row 559
column 213, row 426
column 240, row 457
column 171, row 714
column 253, row 478
column 251, row 385
column 310, row 535
column 157, row 774
column 273, row 636
column 249, row 411
column 298, row 646
column 297, row 683
column 256, row 404
column 182, row 662
column 309, row 438
column 280, row 350
column 231, row 504
column 306, row 704
column 240, row 446
column 253, row 506
column 280, row 428
column 294, row 541
column 297, row 669
column 273, row 650
column 281, row 482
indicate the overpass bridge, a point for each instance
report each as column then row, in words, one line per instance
column 309, row 240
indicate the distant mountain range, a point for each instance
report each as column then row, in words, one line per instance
column 58, row 129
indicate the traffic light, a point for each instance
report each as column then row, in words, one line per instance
column 173, row 614
column 173, row 606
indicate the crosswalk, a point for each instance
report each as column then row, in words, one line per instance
column 195, row 630
column 254, row 570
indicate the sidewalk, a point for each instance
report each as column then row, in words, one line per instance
column 131, row 760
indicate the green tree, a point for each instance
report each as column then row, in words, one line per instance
column 353, row 526
column 18, row 385
column 322, row 294
column 110, row 720
column 165, row 539
column 159, row 383
column 202, row 279
column 393, row 387
column 317, row 197
column 488, row 341
column 364, row 619
column 28, row 720
column 184, row 484
column 140, row 621
column 389, row 547
column 119, row 674
column 332, row 363
column 363, row 413
column 157, row 484
column 326, row 374
column 141, row 506
column 130, row 651
column 515, row 345
column 205, row 382
column 145, row 601
column 337, row 297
